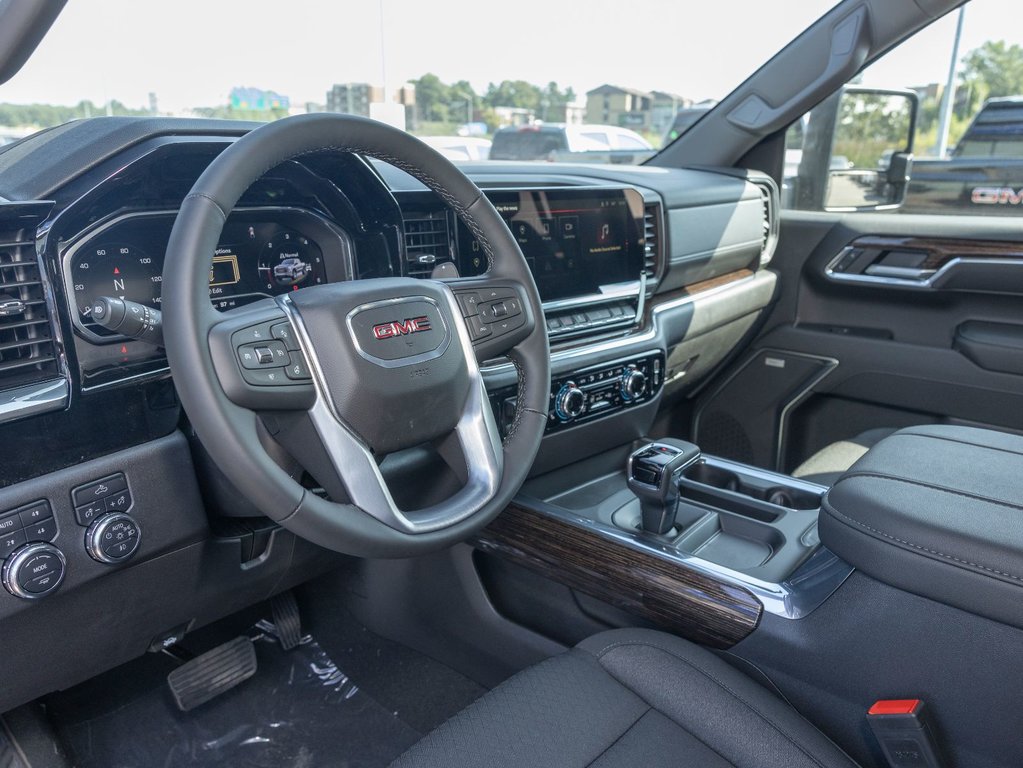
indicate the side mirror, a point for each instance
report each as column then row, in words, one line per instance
column 856, row 151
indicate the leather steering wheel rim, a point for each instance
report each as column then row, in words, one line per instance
column 232, row 433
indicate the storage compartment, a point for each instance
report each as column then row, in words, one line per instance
column 732, row 541
column 936, row 510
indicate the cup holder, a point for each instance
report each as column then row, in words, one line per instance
column 716, row 477
column 750, row 492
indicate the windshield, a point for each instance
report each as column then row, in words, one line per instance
column 537, row 81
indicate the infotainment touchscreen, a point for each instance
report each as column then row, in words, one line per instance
column 578, row 241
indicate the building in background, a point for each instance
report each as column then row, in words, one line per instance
column 664, row 106
column 359, row 98
column 614, row 105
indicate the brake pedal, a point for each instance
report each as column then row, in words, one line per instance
column 286, row 619
column 207, row 676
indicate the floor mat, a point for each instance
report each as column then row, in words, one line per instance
column 299, row 711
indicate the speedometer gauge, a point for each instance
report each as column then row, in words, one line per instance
column 113, row 269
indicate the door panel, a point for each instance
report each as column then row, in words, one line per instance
column 911, row 347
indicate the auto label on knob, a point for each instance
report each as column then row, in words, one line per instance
column 113, row 538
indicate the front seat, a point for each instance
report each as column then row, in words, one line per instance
column 628, row 697
column 831, row 461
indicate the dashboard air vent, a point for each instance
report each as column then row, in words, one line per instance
column 651, row 249
column 769, row 199
column 27, row 352
column 427, row 242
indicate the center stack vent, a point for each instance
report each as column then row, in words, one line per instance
column 428, row 242
column 652, row 245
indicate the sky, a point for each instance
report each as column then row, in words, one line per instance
column 192, row 52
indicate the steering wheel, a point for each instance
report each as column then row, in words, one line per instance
column 342, row 375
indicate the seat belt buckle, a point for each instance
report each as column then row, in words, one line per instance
column 904, row 731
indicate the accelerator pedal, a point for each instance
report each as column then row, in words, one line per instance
column 286, row 619
column 207, row 676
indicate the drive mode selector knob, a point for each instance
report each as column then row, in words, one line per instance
column 113, row 538
column 34, row 571
column 633, row 384
column 570, row 402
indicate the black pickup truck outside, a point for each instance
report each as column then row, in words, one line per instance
column 984, row 175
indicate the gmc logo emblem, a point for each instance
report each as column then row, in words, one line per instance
column 996, row 196
column 405, row 327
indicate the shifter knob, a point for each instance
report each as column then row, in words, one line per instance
column 653, row 473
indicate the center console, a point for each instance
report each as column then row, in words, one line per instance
column 693, row 543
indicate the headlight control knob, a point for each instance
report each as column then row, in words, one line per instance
column 570, row 402
column 34, row 571
column 113, row 538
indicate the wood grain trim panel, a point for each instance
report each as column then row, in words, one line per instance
column 669, row 594
column 942, row 250
column 702, row 287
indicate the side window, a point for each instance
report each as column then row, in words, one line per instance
column 905, row 137
column 630, row 142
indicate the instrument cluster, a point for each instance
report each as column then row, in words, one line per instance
column 262, row 253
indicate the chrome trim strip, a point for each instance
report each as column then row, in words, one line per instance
column 928, row 280
column 32, row 399
column 800, row 594
column 627, row 341
column 613, row 292
column 476, row 432
column 400, row 362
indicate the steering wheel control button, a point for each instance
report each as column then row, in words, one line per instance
column 477, row 328
column 298, row 369
column 254, row 334
column 99, row 489
column 34, row 571
column 285, row 333
column 113, row 538
column 271, row 354
column 270, row 377
column 469, row 303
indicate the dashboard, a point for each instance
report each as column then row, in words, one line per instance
column 649, row 279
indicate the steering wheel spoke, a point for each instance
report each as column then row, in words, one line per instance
column 495, row 311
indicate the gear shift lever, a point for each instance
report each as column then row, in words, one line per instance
column 653, row 472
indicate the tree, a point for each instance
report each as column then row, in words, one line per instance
column 432, row 98
column 993, row 69
column 513, row 93
column 462, row 101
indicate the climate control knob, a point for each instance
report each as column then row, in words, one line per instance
column 113, row 538
column 632, row 384
column 34, row 571
column 570, row 402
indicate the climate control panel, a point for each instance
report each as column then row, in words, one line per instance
column 591, row 393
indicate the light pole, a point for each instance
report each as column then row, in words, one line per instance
column 948, row 97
